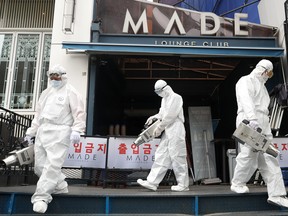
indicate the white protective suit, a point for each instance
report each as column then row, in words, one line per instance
column 172, row 147
column 59, row 112
column 253, row 101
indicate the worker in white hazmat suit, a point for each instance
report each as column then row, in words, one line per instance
column 253, row 101
column 59, row 120
column 172, row 147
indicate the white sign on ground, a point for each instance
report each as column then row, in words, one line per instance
column 281, row 143
column 123, row 154
column 89, row 153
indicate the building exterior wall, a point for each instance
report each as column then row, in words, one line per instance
column 272, row 13
column 25, row 39
column 75, row 64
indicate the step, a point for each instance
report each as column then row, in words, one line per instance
column 88, row 200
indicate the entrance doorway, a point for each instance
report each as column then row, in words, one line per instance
column 124, row 88
column 124, row 93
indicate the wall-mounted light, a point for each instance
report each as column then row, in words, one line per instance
column 68, row 16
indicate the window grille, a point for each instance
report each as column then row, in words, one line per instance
column 26, row 13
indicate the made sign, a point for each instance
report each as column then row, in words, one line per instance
column 140, row 17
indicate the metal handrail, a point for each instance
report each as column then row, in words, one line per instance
column 12, row 130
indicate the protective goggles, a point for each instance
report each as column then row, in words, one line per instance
column 159, row 90
column 269, row 73
column 54, row 75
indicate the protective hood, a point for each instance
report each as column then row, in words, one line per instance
column 167, row 91
column 264, row 63
column 263, row 70
column 58, row 69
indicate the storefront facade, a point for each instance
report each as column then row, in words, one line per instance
column 77, row 36
column 114, row 51
column 154, row 30
column 201, row 55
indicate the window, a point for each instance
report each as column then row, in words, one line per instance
column 23, row 68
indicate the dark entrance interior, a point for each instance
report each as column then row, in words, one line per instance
column 125, row 95
column 124, row 90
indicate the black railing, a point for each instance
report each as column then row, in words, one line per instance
column 12, row 130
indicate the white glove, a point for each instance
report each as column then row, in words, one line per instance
column 254, row 124
column 75, row 137
column 29, row 139
column 150, row 120
column 157, row 132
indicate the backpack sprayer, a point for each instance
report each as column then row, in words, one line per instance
column 254, row 138
column 24, row 156
column 147, row 133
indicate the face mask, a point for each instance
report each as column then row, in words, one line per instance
column 56, row 83
column 161, row 94
column 263, row 78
